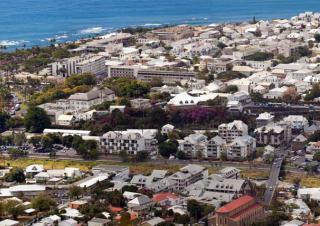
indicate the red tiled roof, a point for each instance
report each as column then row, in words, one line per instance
column 235, row 204
column 163, row 196
column 244, row 212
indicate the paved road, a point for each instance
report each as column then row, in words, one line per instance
column 273, row 180
column 272, row 183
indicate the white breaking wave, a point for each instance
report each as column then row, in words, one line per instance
column 92, row 30
column 11, row 43
column 64, row 36
column 152, row 25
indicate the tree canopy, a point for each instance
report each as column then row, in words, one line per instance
column 36, row 120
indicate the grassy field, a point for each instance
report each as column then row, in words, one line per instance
column 48, row 163
column 306, row 180
column 254, row 174
column 135, row 168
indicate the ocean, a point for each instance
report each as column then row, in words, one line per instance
column 35, row 22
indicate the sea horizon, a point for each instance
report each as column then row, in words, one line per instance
column 34, row 23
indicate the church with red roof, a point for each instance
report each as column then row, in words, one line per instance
column 240, row 212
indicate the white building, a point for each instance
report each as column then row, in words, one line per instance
column 193, row 145
column 232, row 130
column 188, row 175
column 264, row 119
column 84, row 101
column 241, row 148
column 131, row 141
column 276, row 93
column 94, row 64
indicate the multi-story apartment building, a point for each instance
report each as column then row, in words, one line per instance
column 215, row 147
column 167, row 77
column 287, row 130
column 131, row 141
column 230, row 131
column 271, row 134
column 90, row 63
column 188, row 175
column 241, row 148
column 193, row 144
column 242, row 211
column 95, row 65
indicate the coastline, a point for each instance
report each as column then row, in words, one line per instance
column 92, row 33
column 96, row 31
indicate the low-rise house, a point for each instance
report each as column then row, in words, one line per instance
column 299, row 208
column 65, row 120
column 309, row 130
column 230, row 173
column 245, row 70
column 140, row 103
column 276, row 93
column 260, row 89
column 120, row 173
column 299, row 143
column 9, row 222
column 99, row 222
column 243, row 84
column 120, row 108
column 153, row 222
column 234, row 106
column 34, row 169
column 293, row 223
column 67, row 132
column 314, row 147
column 140, row 205
column 166, row 199
column 309, row 194
column 242, row 97
column 28, row 190
column 92, row 180
column 167, row 129
column 78, row 204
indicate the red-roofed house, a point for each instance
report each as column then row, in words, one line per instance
column 240, row 212
column 166, row 199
